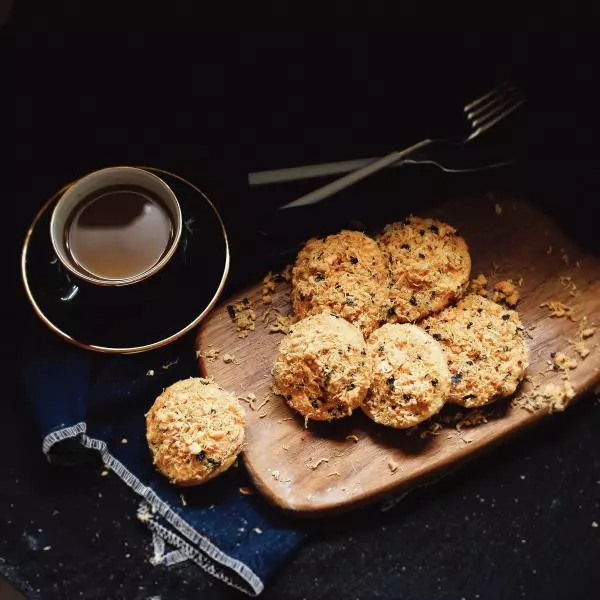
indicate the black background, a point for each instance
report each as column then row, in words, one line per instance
column 213, row 105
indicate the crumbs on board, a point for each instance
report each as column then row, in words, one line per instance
column 479, row 285
column 276, row 322
column 433, row 428
column 568, row 284
column 314, row 465
column 210, row 354
column 268, row 287
column 252, row 400
column 584, row 332
column 244, row 317
column 558, row 396
column 506, row 292
column 555, row 396
column 562, row 362
column 558, row 309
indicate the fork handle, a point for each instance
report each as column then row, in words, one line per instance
column 347, row 180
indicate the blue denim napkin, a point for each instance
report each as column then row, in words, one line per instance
column 91, row 403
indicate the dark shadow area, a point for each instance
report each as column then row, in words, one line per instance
column 538, row 440
column 340, row 429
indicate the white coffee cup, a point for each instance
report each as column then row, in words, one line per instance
column 95, row 182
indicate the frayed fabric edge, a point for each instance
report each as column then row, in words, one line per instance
column 197, row 548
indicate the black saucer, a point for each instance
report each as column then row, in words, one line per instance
column 142, row 316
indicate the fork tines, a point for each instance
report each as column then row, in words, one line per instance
column 487, row 110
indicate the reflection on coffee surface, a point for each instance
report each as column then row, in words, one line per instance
column 119, row 232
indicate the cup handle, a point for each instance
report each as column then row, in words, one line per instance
column 70, row 293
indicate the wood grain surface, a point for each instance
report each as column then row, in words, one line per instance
column 337, row 466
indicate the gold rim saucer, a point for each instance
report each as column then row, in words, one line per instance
column 132, row 349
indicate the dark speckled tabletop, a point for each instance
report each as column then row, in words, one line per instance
column 523, row 521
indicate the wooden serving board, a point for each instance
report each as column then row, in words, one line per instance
column 285, row 459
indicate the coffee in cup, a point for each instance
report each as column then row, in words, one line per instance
column 116, row 226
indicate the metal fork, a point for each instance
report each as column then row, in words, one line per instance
column 481, row 115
